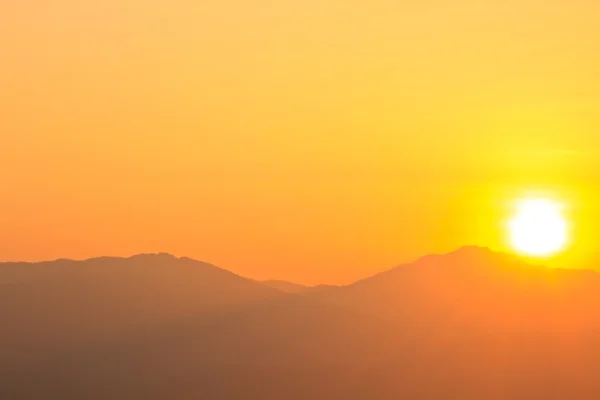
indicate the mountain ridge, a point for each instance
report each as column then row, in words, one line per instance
column 155, row 326
column 465, row 252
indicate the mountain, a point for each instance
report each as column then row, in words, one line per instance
column 53, row 306
column 470, row 324
column 125, row 327
column 476, row 286
column 487, row 323
column 286, row 287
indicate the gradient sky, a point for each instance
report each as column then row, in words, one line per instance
column 310, row 140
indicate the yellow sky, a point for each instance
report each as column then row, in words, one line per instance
column 313, row 140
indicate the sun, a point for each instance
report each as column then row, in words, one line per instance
column 538, row 228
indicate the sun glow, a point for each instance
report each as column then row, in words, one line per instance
column 538, row 227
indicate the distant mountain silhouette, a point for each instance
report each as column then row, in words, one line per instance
column 295, row 288
column 488, row 290
column 65, row 304
column 472, row 324
column 80, row 327
column 286, row 287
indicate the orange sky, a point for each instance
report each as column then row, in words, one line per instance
column 310, row 140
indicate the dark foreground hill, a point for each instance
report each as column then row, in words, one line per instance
column 472, row 324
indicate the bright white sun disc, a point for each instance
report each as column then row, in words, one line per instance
column 538, row 227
